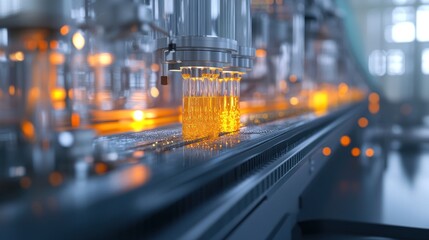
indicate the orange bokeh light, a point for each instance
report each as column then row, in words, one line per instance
column 294, row 101
column 326, row 151
column 101, row 59
column 58, row 94
column 17, row 56
column 75, row 120
column 43, row 45
column 343, row 88
column 355, row 152
column 25, row 182
column 53, row 44
column 56, row 58
column 345, row 140
column 373, row 97
column 374, row 108
column 27, row 129
column 11, row 90
column 55, row 179
column 261, row 53
column 154, row 67
column 100, row 168
column 369, row 152
column 64, row 30
column 363, row 122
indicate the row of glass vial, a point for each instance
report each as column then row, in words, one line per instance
column 211, row 102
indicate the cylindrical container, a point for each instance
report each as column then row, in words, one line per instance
column 229, row 101
column 201, row 110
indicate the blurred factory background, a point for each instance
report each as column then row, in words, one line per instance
column 214, row 119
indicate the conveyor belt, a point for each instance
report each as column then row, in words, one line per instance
column 174, row 180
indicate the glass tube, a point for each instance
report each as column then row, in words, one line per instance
column 229, row 101
column 201, row 110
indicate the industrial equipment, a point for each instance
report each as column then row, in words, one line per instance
column 165, row 119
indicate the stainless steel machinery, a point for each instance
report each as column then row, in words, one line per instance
column 123, row 119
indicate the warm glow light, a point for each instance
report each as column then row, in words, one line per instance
column 345, row 140
column 11, row 90
column 70, row 93
column 326, row 151
column 293, row 78
column 43, row 45
column 343, row 88
column 134, row 176
column 25, row 182
column 58, row 94
column 138, row 154
column 17, row 56
column 320, row 101
column 27, row 129
column 154, row 67
column 283, row 85
column 101, row 59
column 154, row 92
column 294, row 101
column 30, row 45
column 138, row 116
column 363, row 122
column 53, row 44
column 75, row 120
column 55, row 179
column 374, row 98
column 374, row 108
column 355, row 152
column 78, row 40
column 56, row 58
column 369, row 152
column 64, row 30
column 261, row 53
column 34, row 93
column 100, row 168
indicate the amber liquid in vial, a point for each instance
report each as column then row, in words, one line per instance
column 201, row 109
column 230, row 113
column 230, row 102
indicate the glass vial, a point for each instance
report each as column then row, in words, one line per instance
column 229, row 101
column 201, row 110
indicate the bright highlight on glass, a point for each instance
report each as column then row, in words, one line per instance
column 78, row 40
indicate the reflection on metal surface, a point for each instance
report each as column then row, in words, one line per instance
column 133, row 177
column 117, row 121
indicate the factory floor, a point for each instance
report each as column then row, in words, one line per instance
column 385, row 195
